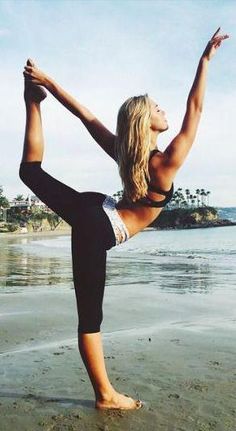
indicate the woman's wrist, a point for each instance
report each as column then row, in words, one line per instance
column 204, row 59
column 49, row 83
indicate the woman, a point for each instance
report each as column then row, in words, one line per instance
column 97, row 222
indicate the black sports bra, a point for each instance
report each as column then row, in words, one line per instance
column 146, row 201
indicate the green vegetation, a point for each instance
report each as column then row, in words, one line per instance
column 4, row 203
column 22, row 213
column 186, row 217
column 187, row 199
column 182, row 198
column 186, row 210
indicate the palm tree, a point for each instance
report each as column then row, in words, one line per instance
column 115, row 195
column 208, row 193
column 184, row 203
column 118, row 195
column 198, row 199
column 192, row 200
column 4, row 203
column 202, row 194
column 187, row 192
column 19, row 198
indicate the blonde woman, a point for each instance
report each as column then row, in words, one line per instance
column 98, row 222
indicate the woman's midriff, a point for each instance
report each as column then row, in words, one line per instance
column 137, row 219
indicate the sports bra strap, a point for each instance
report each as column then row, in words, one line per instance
column 158, row 190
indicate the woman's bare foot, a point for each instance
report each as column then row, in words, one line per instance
column 33, row 92
column 118, row 401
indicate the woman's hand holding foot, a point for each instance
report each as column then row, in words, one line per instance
column 33, row 92
column 35, row 75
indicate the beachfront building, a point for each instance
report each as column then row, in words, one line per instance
column 28, row 203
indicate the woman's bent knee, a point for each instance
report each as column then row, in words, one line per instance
column 89, row 326
column 28, row 171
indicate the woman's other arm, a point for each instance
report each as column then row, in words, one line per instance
column 178, row 149
column 97, row 130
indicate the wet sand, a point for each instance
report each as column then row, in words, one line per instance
column 185, row 374
column 174, row 351
column 50, row 233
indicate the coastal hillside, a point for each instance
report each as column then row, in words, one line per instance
column 186, row 210
column 190, row 218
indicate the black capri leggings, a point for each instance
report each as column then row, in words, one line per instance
column 91, row 236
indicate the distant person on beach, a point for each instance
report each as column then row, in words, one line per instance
column 98, row 222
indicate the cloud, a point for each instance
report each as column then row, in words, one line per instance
column 4, row 32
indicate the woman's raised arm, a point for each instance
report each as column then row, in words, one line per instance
column 178, row 149
column 97, row 130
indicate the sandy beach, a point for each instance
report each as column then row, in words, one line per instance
column 174, row 351
column 56, row 232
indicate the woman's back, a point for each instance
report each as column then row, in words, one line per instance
column 140, row 214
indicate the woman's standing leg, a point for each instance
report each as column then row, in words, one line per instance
column 89, row 272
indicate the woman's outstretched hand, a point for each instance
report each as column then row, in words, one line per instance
column 34, row 75
column 213, row 44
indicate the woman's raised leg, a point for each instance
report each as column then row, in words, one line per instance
column 33, row 142
column 62, row 199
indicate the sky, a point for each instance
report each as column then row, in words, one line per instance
column 102, row 52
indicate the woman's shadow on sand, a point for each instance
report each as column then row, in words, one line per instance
column 66, row 402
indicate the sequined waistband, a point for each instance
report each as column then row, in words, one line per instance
column 120, row 230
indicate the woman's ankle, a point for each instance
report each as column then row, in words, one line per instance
column 105, row 394
column 31, row 105
column 33, row 93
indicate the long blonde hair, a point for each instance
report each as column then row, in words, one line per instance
column 132, row 146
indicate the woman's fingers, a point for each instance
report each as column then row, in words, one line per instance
column 31, row 79
column 30, row 71
column 30, row 62
column 27, row 75
column 224, row 36
column 218, row 39
column 217, row 31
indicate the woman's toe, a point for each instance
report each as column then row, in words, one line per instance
column 30, row 62
column 139, row 404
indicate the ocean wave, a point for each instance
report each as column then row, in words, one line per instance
column 189, row 254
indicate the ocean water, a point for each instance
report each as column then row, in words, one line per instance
column 227, row 213
column 182, row 277
column 182, row 260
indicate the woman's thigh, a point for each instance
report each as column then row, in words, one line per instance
column 91, row 238
column 59, row 197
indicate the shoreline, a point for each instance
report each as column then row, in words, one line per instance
column 29, row 234
column 67, row 231
column 197, row 226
